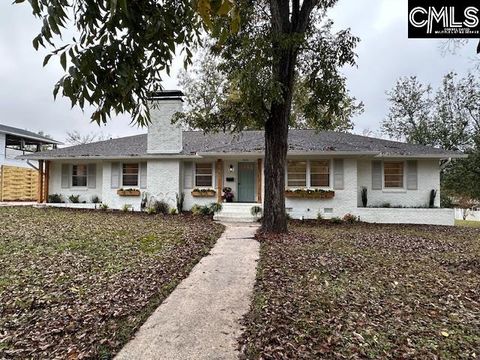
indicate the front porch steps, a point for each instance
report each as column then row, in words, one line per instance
column 236, row 212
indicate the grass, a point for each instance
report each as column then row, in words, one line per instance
column 467, row 223
column 366, row 291
column 77, row 284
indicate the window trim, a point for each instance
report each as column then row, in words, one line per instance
column 394, row 189
column 71, row 177
column 195, row 175
column 138, row 175
column 308, row 173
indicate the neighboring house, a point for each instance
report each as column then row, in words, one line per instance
column 15, row 142
column 167, row 161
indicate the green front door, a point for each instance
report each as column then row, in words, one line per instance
column 246, row 182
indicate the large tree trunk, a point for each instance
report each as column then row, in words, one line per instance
column 276, row 146
column 285, row 49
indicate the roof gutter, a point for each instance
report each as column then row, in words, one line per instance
column 37, row 156
column 425, row 156
column 290, row 153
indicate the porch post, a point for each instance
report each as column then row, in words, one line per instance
column 40, row 182
column 47, row 180
column 259, row 181
column 219, row 177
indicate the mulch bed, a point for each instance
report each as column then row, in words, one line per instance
column 78, row 284
column 350, row 291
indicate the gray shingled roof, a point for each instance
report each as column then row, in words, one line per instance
column 196, row 142
column 26, row 134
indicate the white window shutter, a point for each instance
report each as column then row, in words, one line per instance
column 376, row 175
column 65, row 176
column 338, row 176
column 143, row 175
column 115, row 175
column 412, row 175
column 92, row 176
column 188, row 175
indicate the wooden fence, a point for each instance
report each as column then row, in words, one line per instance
column 18, row 184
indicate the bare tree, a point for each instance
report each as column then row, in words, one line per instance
column 76, row 138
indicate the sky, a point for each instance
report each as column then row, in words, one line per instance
column 384, row 54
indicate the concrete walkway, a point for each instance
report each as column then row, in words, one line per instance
column 200, row 318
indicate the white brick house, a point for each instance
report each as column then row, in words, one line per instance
column 168, row 161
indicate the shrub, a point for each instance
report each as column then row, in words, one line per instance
column 350, row 218
column 433, row 195
column 364, row 196
column 205, row 210
column 386, row 205
column 256, row 211
column 320, row 216
column 336, row 220
column 55, row 198
column 126, row 207
column 173, row 211
column 446, row 200
column 103, row 207
column 95, row 199
column 288, row 216
column 196, row 209
column 180, row 200
column 161, row 207
column 75, row 199
column 151, row 210
column 215, row 208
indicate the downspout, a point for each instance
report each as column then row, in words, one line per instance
column 31, row 165
column 445, row 164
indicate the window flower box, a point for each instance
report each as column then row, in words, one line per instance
column 128, row 192
column 309, row 194
column 203, row 192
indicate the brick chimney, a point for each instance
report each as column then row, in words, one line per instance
column 163, row 136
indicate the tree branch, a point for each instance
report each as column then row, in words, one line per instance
column 304, row 16
column 295, row 12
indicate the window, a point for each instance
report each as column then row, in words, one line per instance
column 130, row 175
column 203, row 174
column 79, row 175
column 297, row 173
column 393, row 174
column 320, row 173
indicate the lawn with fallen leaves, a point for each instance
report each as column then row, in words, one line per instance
column 350, row 291
column 77, row 284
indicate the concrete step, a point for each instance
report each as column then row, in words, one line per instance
column 237, row 207
column 236, row 212
column 240, row 219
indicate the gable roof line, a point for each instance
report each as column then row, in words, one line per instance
column 198, row 143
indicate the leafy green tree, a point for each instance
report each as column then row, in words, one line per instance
column 461, row 177
column 279, row 45
column 450, row 119
column 211, row 101
column 120, row 49
column 409, row 117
